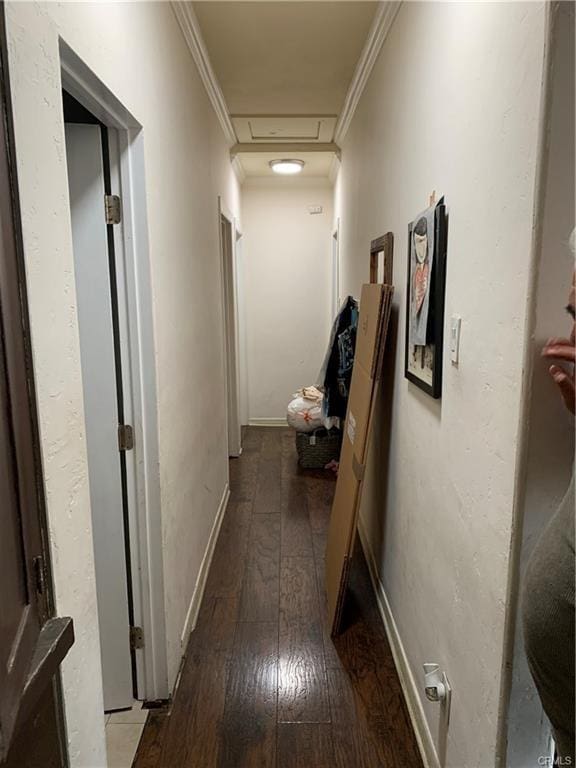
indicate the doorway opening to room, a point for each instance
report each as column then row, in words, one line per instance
column 228, row 247
column 95, row 211
column 105, row 163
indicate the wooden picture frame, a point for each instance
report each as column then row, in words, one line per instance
column 423, row 364
column 382, row 245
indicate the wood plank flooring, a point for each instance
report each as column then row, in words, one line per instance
column 263, row 685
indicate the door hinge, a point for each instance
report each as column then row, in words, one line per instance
column 136, row 638
column 125, row 437
column 39, row 574
column 112, row 209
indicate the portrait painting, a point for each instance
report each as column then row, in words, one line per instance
column 425, row 299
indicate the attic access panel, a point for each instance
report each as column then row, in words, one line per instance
column 317, row 129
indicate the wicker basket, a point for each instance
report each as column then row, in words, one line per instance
column 318, row 448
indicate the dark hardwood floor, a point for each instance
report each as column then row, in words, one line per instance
column 263, row 685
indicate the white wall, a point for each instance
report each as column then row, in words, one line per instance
column 137, row 49
column 550, row 428
column 287, row 279
column 453, row 106
column 242, row 336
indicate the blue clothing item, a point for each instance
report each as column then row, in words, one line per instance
column 346, row 345
column 336, row 371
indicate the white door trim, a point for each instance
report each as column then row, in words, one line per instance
column 139, row 369
column 229, row 293
column 335, row 253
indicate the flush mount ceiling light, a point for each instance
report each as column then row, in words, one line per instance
column 287, row 167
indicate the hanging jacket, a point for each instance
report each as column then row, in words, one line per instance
column 336, row 371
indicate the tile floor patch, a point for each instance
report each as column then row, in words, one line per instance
column 134, row 715
column 122, row 741
column 123, row 733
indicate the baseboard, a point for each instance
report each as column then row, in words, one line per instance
column 409, row 688
column 267, row 422
column 198, row 594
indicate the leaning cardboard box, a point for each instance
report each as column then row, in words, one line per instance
column 375, row 306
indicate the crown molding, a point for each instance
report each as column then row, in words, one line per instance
column 238, row 168
column 383, row 20
column 287, row 147
column 191, row 30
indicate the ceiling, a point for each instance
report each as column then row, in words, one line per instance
column 284, row 69
column 287, row 58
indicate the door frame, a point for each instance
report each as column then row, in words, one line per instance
column 138, row 368
column 229, row 292
column 335, row 254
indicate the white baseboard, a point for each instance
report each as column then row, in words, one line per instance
column 410, row 689
column 267, row 422
column 198, row 594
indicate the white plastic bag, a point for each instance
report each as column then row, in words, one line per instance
column 304, row 415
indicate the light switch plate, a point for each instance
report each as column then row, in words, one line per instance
column 455, row 324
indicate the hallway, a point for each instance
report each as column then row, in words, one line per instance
column 262, row 684
column 196, row 195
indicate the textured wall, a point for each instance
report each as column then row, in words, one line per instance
column 452, row 105
column 138, row 50
column 287, row 269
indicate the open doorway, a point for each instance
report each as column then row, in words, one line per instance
column 95, row 211
column 231, row 356
column 105, row 159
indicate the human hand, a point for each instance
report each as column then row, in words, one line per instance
column 563, row 351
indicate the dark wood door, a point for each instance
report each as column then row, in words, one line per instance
column 32, row 641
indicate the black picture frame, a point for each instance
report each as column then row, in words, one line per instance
column 430, row 379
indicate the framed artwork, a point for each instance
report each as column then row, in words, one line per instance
column 381, row 268
column 425, row 290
